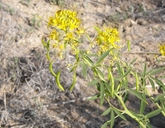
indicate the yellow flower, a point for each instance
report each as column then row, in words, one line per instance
column 65, row 28
column 107, row 39
column 50, row 22
column 61, row 47
column 69, row 36
column 55, row 45
column 75, row 49
column 54, row 35
column 162, row 49
column 64, row 20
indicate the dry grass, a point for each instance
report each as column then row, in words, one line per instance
column 29, row 97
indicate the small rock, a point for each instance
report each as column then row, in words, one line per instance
column 129, row 22
column 141, row 22
column 124, row 124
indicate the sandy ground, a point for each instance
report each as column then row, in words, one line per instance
column 28, row 95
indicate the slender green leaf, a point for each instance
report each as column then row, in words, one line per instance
column 48, row 56
column 119, row 114
column 84, row 69
column 106, row 112
column 101, row 58
column 122, row 70
column 143, row 104
column 94, row 97
column 155, row 71
column 152, row 83
column 149, row 125
column 100, row 74
column 129, row 45
column 128, row 71
column 77, row 57
column 93, row 82
column 73, row 82
column 88, row 61
column 102, row 93
column 143, row 81
column 137, row 94
column 137, row 82
column 119, row 69
column 153, row 113
column 73, row 69
column 107, row 85
column 88, row 37
column 125, row 97
column 144, row 70
column 160, row 83
column 104, row 125
column 119, row 86
column 51, row 69
column 94, row 72
column 112, row 119
column 58, row 81
column 98, row 29
column 162, row 104
column 93, row 55
column 159, row 97
column 46, row 44
column 112, row 87
column 133, row 61
column 134, row 113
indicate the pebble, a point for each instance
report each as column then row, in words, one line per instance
column 141, row 22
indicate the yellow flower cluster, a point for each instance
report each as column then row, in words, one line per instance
column 107, row 39
column 64, row 20
column 162, row 49
column 65, row 29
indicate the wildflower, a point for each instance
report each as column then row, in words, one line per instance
column 65, row 29
column 79, row 31
column 55, row 45
column 65, row 20
column 107, row 39
column 54, row 35
column 69, row 36
column 74, row 44
column 162, row 49
column 61, row 47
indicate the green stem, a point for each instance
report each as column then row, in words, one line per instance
column 158, row 106
column 128, row 112
column 48, row 56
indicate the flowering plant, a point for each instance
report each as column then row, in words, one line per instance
column 162, row 49
column 110, row 74
column 65, row 29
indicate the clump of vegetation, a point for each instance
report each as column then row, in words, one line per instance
column 110, row 74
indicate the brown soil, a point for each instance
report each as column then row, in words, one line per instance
column 29, row 97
